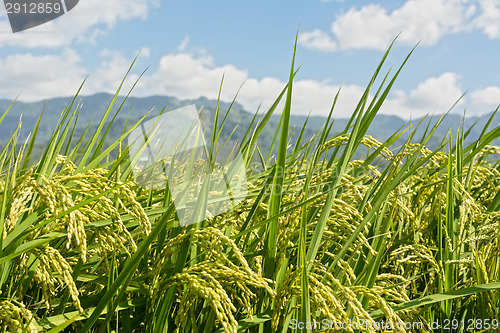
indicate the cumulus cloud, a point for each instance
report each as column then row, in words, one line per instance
column 426, row 21
column 184, row 75
column 489, row 19
column 435, row 95
column 110, row 72
column 439, row 92
column 317, row 40
column 85, row 22
column 486, row 99
column 39, row 77
column 189, row 76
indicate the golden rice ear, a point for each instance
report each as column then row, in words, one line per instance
column 54, row 271
column 16, row 317
column 221, row 282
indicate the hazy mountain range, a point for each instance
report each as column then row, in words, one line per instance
column 93, row 107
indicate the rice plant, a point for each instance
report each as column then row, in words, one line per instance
column 406, row 237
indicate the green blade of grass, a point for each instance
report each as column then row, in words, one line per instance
column 435, row 298
column 119, row 286
column 277, row 186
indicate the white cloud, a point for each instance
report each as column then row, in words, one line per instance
column 441, row 91
column 489, row 19
column 110, row 72
column 486, row 99
column 35, row 77
column 435, row 95
column 317, row 40
column 144, row 52
column 85, row 22
column 189, row 76
column 369, row 27
column 40, row 77
column 426, row 21
column 185, row 76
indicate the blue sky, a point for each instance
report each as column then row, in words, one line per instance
column 188, row 45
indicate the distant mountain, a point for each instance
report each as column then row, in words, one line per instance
column 93, row 107
column 383, row 126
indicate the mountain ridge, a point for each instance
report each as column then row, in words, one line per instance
column 92, row 107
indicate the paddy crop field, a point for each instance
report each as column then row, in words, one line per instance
column 405, row 238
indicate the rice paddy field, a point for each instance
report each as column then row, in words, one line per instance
column 405, row 239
